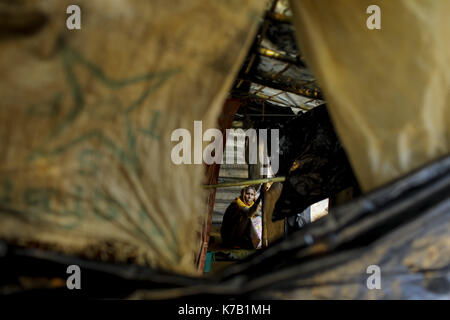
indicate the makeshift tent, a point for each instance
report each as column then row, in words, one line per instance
column 87, row 116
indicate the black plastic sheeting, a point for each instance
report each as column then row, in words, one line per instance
column 403, row 228
column 321, row 165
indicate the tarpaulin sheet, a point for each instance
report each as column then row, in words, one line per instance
column 86, row 119
column 388, row 89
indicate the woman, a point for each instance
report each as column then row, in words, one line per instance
column 237, row 229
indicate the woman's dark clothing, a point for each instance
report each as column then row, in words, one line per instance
column 236, row 226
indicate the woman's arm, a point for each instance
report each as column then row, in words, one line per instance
column 250, row 212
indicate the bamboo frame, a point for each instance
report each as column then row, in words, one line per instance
column 244, row 183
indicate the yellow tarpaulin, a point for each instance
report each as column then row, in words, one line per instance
column 86, row 119
column 388, row 90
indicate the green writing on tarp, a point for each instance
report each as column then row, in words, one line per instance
column 67, row 133
column 89, row 161
column 44, row 202
column 106, row 207
column 46, row 109
column 95, row 130
column 151, row 130
column 70, row 209
column 6, row 189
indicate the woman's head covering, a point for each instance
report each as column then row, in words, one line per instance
column 240, row 201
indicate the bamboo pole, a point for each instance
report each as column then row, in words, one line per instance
column 244, row 183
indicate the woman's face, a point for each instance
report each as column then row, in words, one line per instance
column 249, row 196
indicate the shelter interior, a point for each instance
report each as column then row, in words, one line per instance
column 273, row 86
